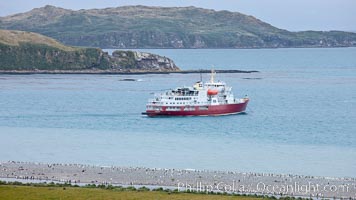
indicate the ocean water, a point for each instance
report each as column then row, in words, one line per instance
column 301, row 118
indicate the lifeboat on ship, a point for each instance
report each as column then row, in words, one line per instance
column 212, row 92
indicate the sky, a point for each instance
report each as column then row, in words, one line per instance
column 293, row 15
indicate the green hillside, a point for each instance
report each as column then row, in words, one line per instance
column 21, row 50
column 166, row 27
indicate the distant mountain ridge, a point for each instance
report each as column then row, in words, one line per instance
column 166, row 27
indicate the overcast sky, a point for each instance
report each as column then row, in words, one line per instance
column 287, row 14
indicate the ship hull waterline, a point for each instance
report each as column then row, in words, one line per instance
column 213, row 110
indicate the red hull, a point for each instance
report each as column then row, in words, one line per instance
column 225, row 109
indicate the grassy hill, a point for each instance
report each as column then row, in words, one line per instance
column 166, row 27
column 26, row 51
column 30, row 51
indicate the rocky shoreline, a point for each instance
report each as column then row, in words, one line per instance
column 118, row 72
column 196, row 180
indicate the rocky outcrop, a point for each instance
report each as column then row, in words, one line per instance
column 142, row 61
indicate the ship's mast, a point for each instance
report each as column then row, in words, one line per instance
column 212, row 76
column 201, row 77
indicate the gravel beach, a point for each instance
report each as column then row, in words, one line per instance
column 203, row 181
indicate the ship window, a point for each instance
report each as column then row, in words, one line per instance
column 189, row 108
column 203, row 107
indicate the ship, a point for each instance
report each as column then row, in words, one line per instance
column 202, row 99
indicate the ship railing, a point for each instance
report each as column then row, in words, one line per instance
column 182, row 94
column 240, row 100
column 153, row 102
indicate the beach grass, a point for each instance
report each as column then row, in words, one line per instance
column 9, row 192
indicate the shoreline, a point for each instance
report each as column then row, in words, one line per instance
column 110, row 72
column 182, row 179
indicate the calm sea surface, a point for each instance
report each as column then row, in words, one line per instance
column 301, row 118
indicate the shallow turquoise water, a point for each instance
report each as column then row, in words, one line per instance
column 301, row 118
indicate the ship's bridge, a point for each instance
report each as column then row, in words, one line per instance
column 183, row 91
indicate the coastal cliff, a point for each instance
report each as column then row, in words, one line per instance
column 26, row 51
column 142, row 61
column 166, row 27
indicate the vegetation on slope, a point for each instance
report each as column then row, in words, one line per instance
column 21, row 50
column 166, row 27
column 30, row 51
